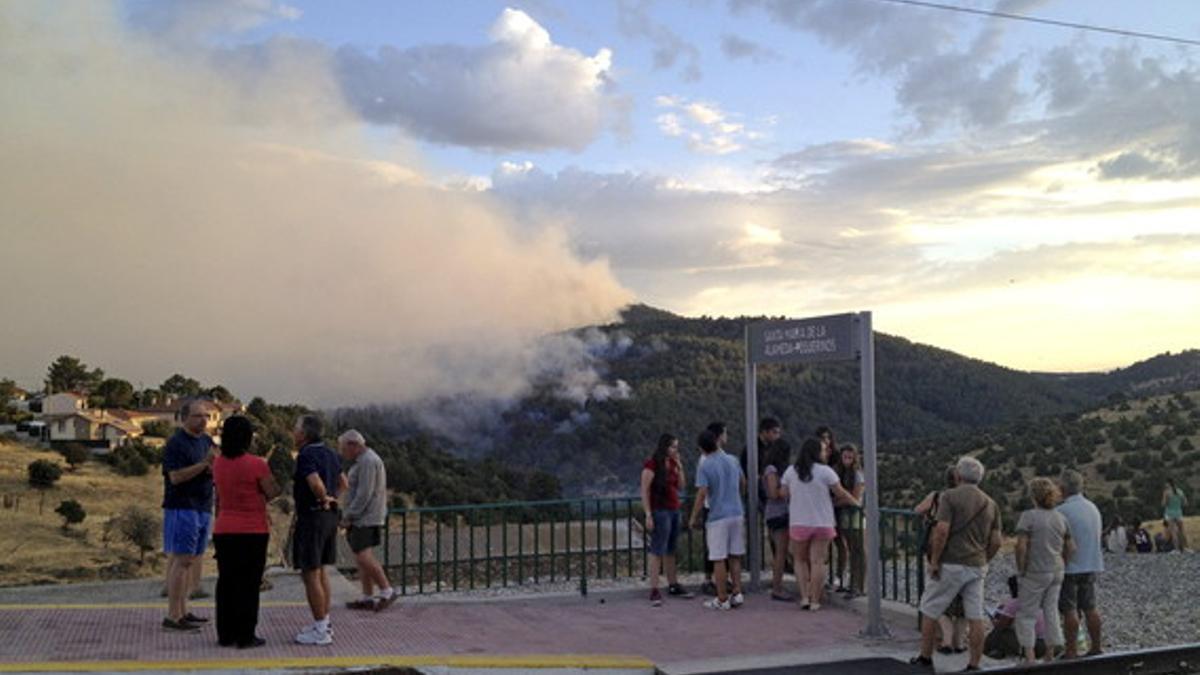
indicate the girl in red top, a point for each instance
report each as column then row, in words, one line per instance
column 662, row 476
column 244, row 485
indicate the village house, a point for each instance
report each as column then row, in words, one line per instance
column 97, row 429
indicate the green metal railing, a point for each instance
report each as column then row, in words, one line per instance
column 436, row 548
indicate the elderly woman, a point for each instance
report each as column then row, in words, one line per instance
column 1043, row 547
column 244, row 486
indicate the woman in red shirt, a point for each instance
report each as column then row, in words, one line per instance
column 244, row 485
column 662, row 476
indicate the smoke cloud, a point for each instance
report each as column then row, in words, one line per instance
column 164, row 212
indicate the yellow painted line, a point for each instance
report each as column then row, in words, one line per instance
column 135, row 605
column 528, row 661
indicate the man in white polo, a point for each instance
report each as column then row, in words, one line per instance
column 1078, row 596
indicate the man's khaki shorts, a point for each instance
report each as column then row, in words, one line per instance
column 955, row 580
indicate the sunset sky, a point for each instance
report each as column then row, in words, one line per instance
column 235, row 188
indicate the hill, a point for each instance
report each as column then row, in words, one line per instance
column 1161, row 374
column 1126, row 453
column 591, row 422
column 659, row 372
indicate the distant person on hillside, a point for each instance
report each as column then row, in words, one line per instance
column 1162, row 539
column 1043, row 546
column 1116, row 539
column 1001, row 642
column 720, row 479
column 314, row 542
column 1173, row 501
column 966, row 537
column 850, row 521
column 1078, row 593
column 952, row 624
column 810, row 487
column 364, row 513
column 187, row 510
column 1142, row 542
column 662, row 478
column 721, row 433
column 775, row 459
column 244, row 485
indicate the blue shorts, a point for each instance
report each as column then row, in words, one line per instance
column 665, row 534
column 185, row 532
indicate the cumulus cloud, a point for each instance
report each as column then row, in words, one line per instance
column 164, row 224
column 736, row 47
column 520, row 91
column 706, row 128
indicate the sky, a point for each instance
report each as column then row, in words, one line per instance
column 347, row 202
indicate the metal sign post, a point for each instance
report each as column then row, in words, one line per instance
column 839, row 337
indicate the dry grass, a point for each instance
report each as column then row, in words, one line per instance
column 35, row 550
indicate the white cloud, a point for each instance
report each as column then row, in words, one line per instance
column 707, row 128
column 520, row 92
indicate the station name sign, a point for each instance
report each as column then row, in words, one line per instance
column 822, row 338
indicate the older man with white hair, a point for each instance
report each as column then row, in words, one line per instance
column 363, row 516
column 966, row 537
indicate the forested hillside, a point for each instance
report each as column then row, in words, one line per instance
column 1126, row 453
column 680, row 373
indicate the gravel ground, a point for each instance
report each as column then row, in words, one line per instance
column 1146, row 600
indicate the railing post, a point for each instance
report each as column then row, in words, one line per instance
column 583, row 548
column 614, row 538
column 387, row 538
column 404, row 552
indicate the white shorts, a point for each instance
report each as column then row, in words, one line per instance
column 725, row 537
column 955, row 580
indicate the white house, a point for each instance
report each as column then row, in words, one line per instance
column 94, row 428
column 63, row 403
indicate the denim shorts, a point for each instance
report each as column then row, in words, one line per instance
column 666, row 532
column 185, row 532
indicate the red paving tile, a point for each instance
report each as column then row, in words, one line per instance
column 624, row 624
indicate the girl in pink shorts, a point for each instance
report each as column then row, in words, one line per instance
column 810, row 487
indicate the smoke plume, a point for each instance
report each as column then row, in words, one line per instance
column 224, row 214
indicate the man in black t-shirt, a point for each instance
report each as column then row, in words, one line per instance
column 315, row 487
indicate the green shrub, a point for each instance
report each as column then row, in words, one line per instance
column 75, row 454
column 71, row 511
column 139, row 527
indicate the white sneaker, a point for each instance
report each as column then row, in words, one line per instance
column 714, row 603
column 737, row 600
column 314, row 636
